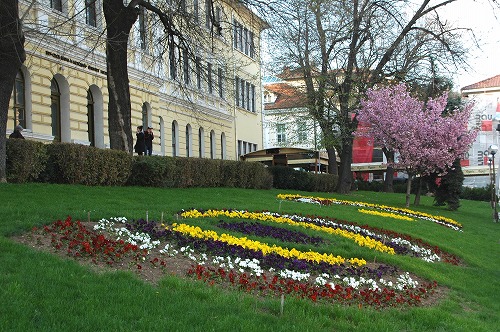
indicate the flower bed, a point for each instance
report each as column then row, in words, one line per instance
column 146, row 247
column 448, row 222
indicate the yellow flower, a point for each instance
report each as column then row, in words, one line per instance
column 403, row 211
column 357, row 238
column 385, row 214
column 197, row 232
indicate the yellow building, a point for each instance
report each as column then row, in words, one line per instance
column 207, row 105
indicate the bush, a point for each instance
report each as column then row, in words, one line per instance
column 152, row 171
column 477, row 194
column 288, row 178
column 179, row 172
column 80, row 164
column 25, row 160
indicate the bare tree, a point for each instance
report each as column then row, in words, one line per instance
column 344, row 47
column 12, row 56
column 182, row 34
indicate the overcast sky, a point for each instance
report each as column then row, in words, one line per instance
column 480, row 16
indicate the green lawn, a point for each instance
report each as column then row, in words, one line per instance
column 41, row 292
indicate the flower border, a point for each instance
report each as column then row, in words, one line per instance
column 448, row 222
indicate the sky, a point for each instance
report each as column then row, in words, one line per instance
column 478, row 15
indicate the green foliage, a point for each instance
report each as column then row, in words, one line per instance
column 288, row 178
column 26, row 159
column 450, row 187
column 153, row 171
column 80, row 164
column 175, row 172
column 477, row 194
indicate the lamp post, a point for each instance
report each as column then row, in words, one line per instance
column 492, row 198
column 493, row 150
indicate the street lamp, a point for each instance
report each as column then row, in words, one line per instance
column 492, row 199
column 493, row 150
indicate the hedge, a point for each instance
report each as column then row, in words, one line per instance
column 31, row 161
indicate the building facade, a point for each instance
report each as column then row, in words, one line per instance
column 486, row 116
column 203, row 103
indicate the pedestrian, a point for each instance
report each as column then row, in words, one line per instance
column 148, row 140
column 17, row 132
column 139, row 144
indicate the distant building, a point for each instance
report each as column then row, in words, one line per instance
column 287, row 122
column 486, row 95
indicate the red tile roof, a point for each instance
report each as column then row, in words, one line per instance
column 287, row 96
column 492, row 82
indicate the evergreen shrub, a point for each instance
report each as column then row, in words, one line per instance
column 288, row 178
column 81, row 164
column 25, row 160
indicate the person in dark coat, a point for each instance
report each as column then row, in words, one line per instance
column 148, row 139
column 17, row 132
column 140, row 147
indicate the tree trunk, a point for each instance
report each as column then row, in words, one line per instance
column 408, row 189
column 389, row 174
column 12, row 56
column 416, row 202
column 119, row 22
column 345, row 173
column 333, row 168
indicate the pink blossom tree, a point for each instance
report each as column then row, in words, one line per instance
column 423, row 139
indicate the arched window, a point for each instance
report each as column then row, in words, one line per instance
column 212, row 145
column 201, row 140
column 18, row 96
column 223, row 146
column 175, row 139
column 55, row 109
column 189, row 140
column 91, row 117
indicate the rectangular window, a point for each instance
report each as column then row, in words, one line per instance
column 252, row 45
column 218, row 19
column 142, row 27
column 242, row 91
column 239, row 148
column 247, row 95
column 220, row 79
column 208, row 14
column 196, row 10
column 235, row 34
column 185, row 66
column 240, row 37
column 252, row 98
column 198, row 72
column 237, row 91
column 243, row 39
column 173, row 62
column 255, row 147
column 56, row 5
column 302, row 130
column 280, row 131
column 91, row 12
column 210, row 78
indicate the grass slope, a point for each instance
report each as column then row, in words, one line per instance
column 40, row 292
